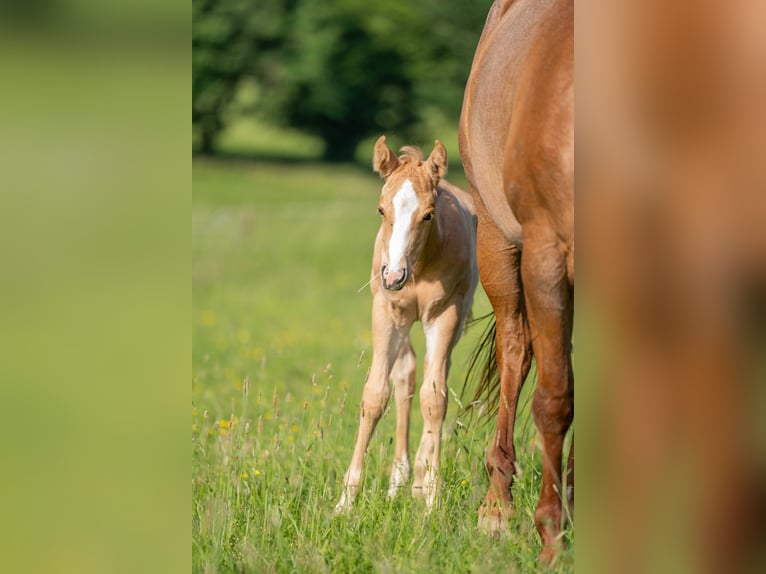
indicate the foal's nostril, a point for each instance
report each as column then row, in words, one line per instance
column 393, row 281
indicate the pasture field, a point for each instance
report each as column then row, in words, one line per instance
column 281, row 345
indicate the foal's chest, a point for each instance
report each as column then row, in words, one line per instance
column 422, row 304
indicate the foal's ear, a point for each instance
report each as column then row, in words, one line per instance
column 384, row 161
column 437, row 162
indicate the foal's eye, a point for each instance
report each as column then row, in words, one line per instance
column 380, row 211
column 428, row 216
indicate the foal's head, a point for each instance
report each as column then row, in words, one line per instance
column 407, row 205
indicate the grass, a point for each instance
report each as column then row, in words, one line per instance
column 281, row 346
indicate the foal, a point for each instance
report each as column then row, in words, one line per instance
column 423, row 268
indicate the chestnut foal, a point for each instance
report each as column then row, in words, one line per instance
column 423, row 268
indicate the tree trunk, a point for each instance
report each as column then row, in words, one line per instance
column 206, row 142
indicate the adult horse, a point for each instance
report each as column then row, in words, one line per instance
column 423, row 268
column 517, row 146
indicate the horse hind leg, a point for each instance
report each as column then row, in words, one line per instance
column 403, row 375
column 570, row 481
column 500, row 268
column 513, row 359
column 549, row 300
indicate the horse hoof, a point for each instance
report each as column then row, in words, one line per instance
column 493, row 523
column 548, row 554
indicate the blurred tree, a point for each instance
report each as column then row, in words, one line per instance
column 229, row 39
column 452, row 33
column 348, row 71
column 340, row 69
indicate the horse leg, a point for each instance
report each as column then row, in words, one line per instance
column 549, row 301
column 570, row 480
column 441, row 335
column 403, row 375
column 387, row 339
column 500, row 269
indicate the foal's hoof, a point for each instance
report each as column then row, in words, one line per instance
column 393, row 491
column 400, row 476
column 341, row 508
column 344, row 505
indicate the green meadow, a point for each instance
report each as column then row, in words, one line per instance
column 281, row 345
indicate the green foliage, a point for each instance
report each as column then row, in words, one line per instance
column 345, row 77
column 342, row 70
column 453, row 30
column 230, row 38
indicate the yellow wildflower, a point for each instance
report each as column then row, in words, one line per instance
column 208, row 317
column 257, row 353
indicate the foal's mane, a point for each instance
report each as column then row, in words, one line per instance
column 411, row 153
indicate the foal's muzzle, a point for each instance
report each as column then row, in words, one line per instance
column 393, row 280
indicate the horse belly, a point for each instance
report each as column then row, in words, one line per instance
column 495, row 85
column 488, row 138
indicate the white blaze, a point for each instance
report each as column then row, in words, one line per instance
column 405, row 204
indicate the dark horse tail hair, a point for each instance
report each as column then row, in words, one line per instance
column 482, row 373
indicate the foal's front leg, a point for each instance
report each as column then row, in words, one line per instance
column 441, row 336
column 387, row 338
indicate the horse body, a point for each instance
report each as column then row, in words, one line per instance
column 517, row 146
column 424, row 268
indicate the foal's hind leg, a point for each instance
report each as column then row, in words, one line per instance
column 500, row 267
column 549, row 297
column 403, row 375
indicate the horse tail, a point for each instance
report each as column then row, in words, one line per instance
column 482, row 372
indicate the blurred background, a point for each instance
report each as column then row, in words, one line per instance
column 94, row 249
column 94, row 222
